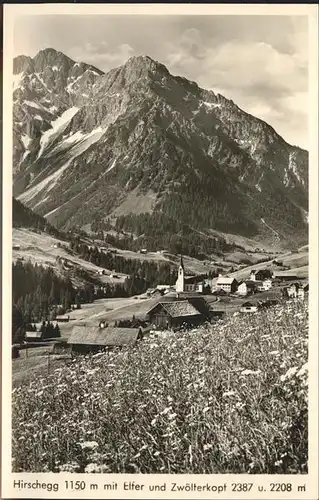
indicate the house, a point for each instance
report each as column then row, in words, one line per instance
column 63, row 318
column 101, row 271
column 16, row 247
column 84, row 339
column 246, row 287
column 143, row 250
column 165, row 315
column 188, row 283
column 302, row 290
column 155, row 292
column 267, row 284
column 260, row 275
column 249, row 307
column 164, row 288
column 31, row 336
column 226, row 284
column 296, row 290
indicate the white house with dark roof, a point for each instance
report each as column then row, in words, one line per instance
column 228, row 284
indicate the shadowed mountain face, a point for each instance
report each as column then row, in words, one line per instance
column 86, row 144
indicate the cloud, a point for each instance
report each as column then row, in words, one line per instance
column 260, row 62
column 265, row 81
column 101, row 55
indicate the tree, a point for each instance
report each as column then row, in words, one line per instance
column 57, row 332
column 18, row 329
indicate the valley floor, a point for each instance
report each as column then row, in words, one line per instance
column 227, row 398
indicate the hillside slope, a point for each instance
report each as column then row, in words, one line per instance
column 227, row 399
column 190, row 153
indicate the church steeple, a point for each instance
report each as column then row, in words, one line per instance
column 180, row 277
column 182, row 263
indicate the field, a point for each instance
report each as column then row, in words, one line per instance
column 38, row 248
column 226, row 398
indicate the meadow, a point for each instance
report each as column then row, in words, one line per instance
column 225, row 398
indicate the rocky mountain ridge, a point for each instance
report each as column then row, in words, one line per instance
column 138, row 130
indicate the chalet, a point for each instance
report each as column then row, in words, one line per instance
column 260, row 275
column 198, row 302
column 246, row 287
column 267, row 284
column 63, row 318
column 155, row 292
column 249, row 307
column 165, row 315
column 84, row 339
column 31, row 336
column 226, row 284
column 188, row 283
column 296, row 290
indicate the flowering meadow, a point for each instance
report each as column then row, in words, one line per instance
column 225, row 398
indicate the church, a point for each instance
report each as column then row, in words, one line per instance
column 188, row 283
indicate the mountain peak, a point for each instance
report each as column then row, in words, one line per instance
column 145, row 61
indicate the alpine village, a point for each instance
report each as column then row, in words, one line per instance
column 159, row 273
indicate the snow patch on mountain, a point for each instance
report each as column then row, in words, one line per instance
column 17, row 80
column 257, row 186
column 43, row 83
column 25, row 140
column 86, row 141
column 111, row 167
column 211, row 105
column 57, row 125
column 48, row 183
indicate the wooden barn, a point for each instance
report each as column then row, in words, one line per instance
column 174, row 314
column 198, row 302
column 85, row 339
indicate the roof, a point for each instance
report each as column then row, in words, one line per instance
column 178, row 308
column 249, row 283
column 248, row 304
column 222, row 280
column 62, row 316
column 193, row 279
column 92, row 335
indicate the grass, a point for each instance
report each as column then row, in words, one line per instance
column 229, row 398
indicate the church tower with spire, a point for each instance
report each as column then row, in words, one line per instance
column 180, row 283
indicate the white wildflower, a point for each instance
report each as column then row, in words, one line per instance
column 289, row 374
column 250, row 372
column 89, row 445
column 229, row 393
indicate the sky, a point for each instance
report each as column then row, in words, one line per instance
column 260, row 62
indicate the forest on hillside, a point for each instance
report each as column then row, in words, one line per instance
column 22, row 216
column 157, row 231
